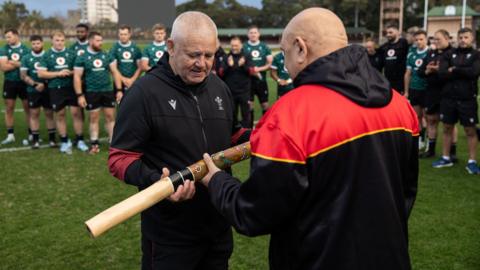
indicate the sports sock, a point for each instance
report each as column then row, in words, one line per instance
column 10, row 131
column 431, row 145
column 51, row 134
column 64, row 139
column 453, row 149
column 79, row 137
column 36, row 135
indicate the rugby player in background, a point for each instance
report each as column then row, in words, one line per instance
column 95, row 67
column 394, row 58
column 153, row 52
column 10, row 60
column 128, row 57
column 57, row 67
column 37, row 92
column 261, row 57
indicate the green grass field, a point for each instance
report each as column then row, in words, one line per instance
column 45, row 197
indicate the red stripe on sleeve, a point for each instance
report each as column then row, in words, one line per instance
column 237, row 135
column 119, row 160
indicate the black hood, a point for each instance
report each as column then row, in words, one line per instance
column 163, row 71
column 349, row 72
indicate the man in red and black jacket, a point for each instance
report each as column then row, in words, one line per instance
column 334, row 164
column 168, row 119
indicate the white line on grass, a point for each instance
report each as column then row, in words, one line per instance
column 16, row 110
column 24, row 148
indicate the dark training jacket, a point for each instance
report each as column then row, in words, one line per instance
column 334, row 171
column 434, row 82
column 461, row 83
column 237, row 77
column 162, row 122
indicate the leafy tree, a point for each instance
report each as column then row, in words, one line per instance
column 12, row 14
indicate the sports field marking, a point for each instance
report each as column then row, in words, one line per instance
column 24, row 148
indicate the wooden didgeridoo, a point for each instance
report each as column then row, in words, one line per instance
column 162, row 189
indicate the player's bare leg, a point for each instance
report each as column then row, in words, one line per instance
column 65, row 146
column 35, row 126
column 109, row 114
column 77, row 115
column 50, row 120
column 9, row 120
column 27, row 116
column 94, row 130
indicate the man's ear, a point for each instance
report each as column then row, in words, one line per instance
column 301, row 50
column 170, row 47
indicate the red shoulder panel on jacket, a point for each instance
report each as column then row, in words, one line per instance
column 313, row 119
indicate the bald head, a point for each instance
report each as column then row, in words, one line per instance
column 193, row 24
column 192, row 45
column 311, row 34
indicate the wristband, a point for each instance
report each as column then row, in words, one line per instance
column 118, row 90
column 79, row 95
column 278, row 80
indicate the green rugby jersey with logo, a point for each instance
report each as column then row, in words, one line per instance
column 54, row 61
column 96, row 70
column 414, row 62
column 30, row 63
column 79, row 47
column 127, row 56
column 257, row 53
column 279, row 65
column 14, row 53
column 154, row 52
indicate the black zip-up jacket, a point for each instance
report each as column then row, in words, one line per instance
column 237, row 77
column 434, row 82
column 334, row 171
column 393, row 58
column 162, row 122
column 375, row 60
column 461, row 83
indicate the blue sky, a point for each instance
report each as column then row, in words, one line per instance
column 51, row 7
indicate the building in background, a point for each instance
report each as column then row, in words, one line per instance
column 391, row 12
column 450, row 19
column 142, row 14
column 95, row 11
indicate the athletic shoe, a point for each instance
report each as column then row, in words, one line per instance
column 82, row 146
column 10, row 139
column 66, row 148
column 35, row 145
column 472, row 168
column 52, row 144
column 442, row 162
column 95, row 149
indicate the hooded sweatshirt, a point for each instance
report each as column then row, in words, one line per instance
column 162, row 122
column 333, row 171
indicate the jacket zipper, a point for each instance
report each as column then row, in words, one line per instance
column 201, row 121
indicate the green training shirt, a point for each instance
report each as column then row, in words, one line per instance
column 30, row 63
column 154, row 52
column 96, row 70
column 279, row 65
column 79, row 47
column 257, row 52
column 414, row 61
column 54, row 61
column 127, row 56
column 14, row 53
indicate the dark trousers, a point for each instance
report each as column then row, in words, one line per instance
column 209, row 255
column 240, row 102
